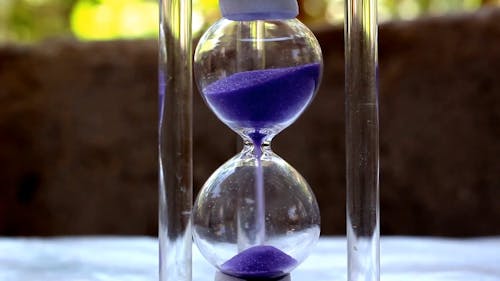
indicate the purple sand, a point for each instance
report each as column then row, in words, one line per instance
column 261, row 99
column 259, row 192
column 263, row 262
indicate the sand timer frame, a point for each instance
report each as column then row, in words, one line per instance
column 175, row 138
column 362, row 140
column 175, row 158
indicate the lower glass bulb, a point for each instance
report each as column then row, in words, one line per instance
column 256, row 217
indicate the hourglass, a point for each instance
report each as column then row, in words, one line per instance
column 257, row 68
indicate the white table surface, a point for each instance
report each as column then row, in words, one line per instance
column 136, row 259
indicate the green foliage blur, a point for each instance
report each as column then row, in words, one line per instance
column 35, row 20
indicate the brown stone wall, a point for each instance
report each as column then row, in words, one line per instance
column 78, row 132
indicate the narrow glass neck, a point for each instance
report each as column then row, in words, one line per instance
column 257, row 138
column 257, row 150
column 264, row 146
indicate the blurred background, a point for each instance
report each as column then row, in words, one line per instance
column 34, row 20
column 78, row 117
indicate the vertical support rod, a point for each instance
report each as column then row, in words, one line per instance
column 175, row 140
column 362, row 140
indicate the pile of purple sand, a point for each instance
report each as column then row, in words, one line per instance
column 262, row 262
column 260, row 99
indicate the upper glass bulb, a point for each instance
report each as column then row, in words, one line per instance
column 258, row 76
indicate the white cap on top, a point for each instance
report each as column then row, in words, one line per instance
column 245, row 10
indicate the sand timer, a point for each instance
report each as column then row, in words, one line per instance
column 257, row 68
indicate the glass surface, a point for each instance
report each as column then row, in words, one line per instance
column 256, row 216
column 175, row 140
column 362, row 143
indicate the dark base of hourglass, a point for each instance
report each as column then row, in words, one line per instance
column 219, row 276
